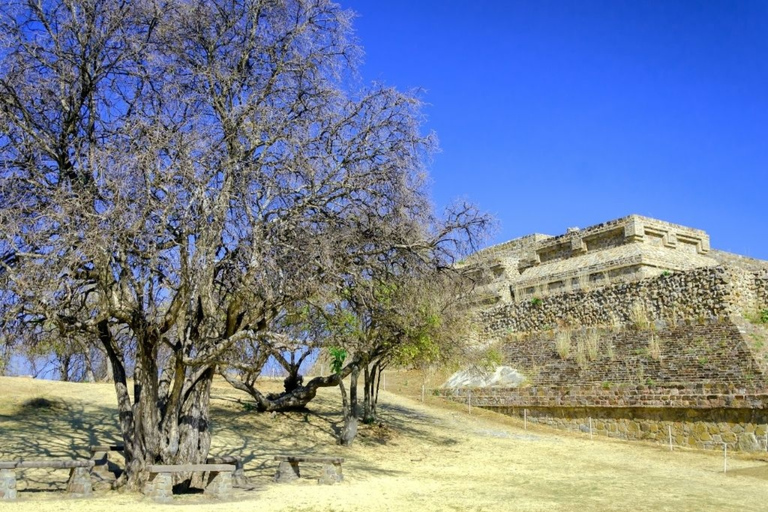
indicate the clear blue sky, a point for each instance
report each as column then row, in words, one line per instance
column 554, row 114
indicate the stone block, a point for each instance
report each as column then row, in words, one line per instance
column 79, row 484
column 159, row 487
column 7, row 484
column 331, row 474
column 287, row 472
column 219, row 484
column 749, row 443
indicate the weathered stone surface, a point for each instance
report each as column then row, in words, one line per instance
column 219, row 484
column 331, row 474
column 7, row 484
column 635, row 320
column 618, row 251
column 159, row 487
column 749, row 443
column 287, row 472
column 238, row 476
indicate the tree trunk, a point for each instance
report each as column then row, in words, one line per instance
column 376, row 391
column 88, row 374
column 194, row 429
column 157, row 430
column 369, row 379
column 353, row 391
column 64, row 362
column 349, row 428
column 293, row 380
column 295, row 400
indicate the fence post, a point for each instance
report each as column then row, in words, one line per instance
column 525, row 419
column 469, row 401
column 669, row 428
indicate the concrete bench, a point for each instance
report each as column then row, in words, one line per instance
column 288, row 470
column 218, row 483
column 78, row 485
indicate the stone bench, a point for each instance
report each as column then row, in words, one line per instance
column 104, row 471
column 288, row 470
column 78, row 485
column 238, row 475
column 218, row 482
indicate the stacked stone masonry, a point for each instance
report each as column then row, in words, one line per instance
column 635, row 323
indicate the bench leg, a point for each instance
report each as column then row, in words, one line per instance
column 79, row 484
column 159, row 487
column 331, row 474
column 101, row 474
column 238, row 477
column 7, row 484
column 287, row 472
column 219, row 484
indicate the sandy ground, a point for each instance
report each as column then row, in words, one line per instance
column 429, row 456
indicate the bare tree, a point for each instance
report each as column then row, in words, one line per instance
column 180, row 172
column 400, row 300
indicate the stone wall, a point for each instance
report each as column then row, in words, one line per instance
column 672, row 351
column 703, row 416
column 708, row 429
column 622, row 250
column 713, row 352
column 761, row 291
column 694, row 295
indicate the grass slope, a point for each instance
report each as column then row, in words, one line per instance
column 428, row 457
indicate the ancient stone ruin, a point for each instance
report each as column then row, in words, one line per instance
column 633, row 328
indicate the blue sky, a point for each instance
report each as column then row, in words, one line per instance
column 554, row 114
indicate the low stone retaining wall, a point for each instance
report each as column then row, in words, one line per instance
column 708, row 429
column 683, row 396
column 700, row 416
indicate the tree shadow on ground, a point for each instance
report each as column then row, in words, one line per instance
column 42, row 428
column 55, row 428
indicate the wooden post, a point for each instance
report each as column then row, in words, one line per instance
column 422, row 393
column 383, row 381
column 469, row 401
column 525, row 419
column 590, row 428
column 669, row 428
column 725, row 457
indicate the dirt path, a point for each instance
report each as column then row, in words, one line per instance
column 426, row 458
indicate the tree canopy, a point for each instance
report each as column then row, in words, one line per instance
column 175, row 175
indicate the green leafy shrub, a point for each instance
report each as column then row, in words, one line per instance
column 338, row 355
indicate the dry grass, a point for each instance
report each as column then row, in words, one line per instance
column 592, row 340
column 563, row 343
column 654, row 347
column 638, row 315
column 431, row 456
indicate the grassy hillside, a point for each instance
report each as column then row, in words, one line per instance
column 428, row 457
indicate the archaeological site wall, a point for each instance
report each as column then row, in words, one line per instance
column 656, row 349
